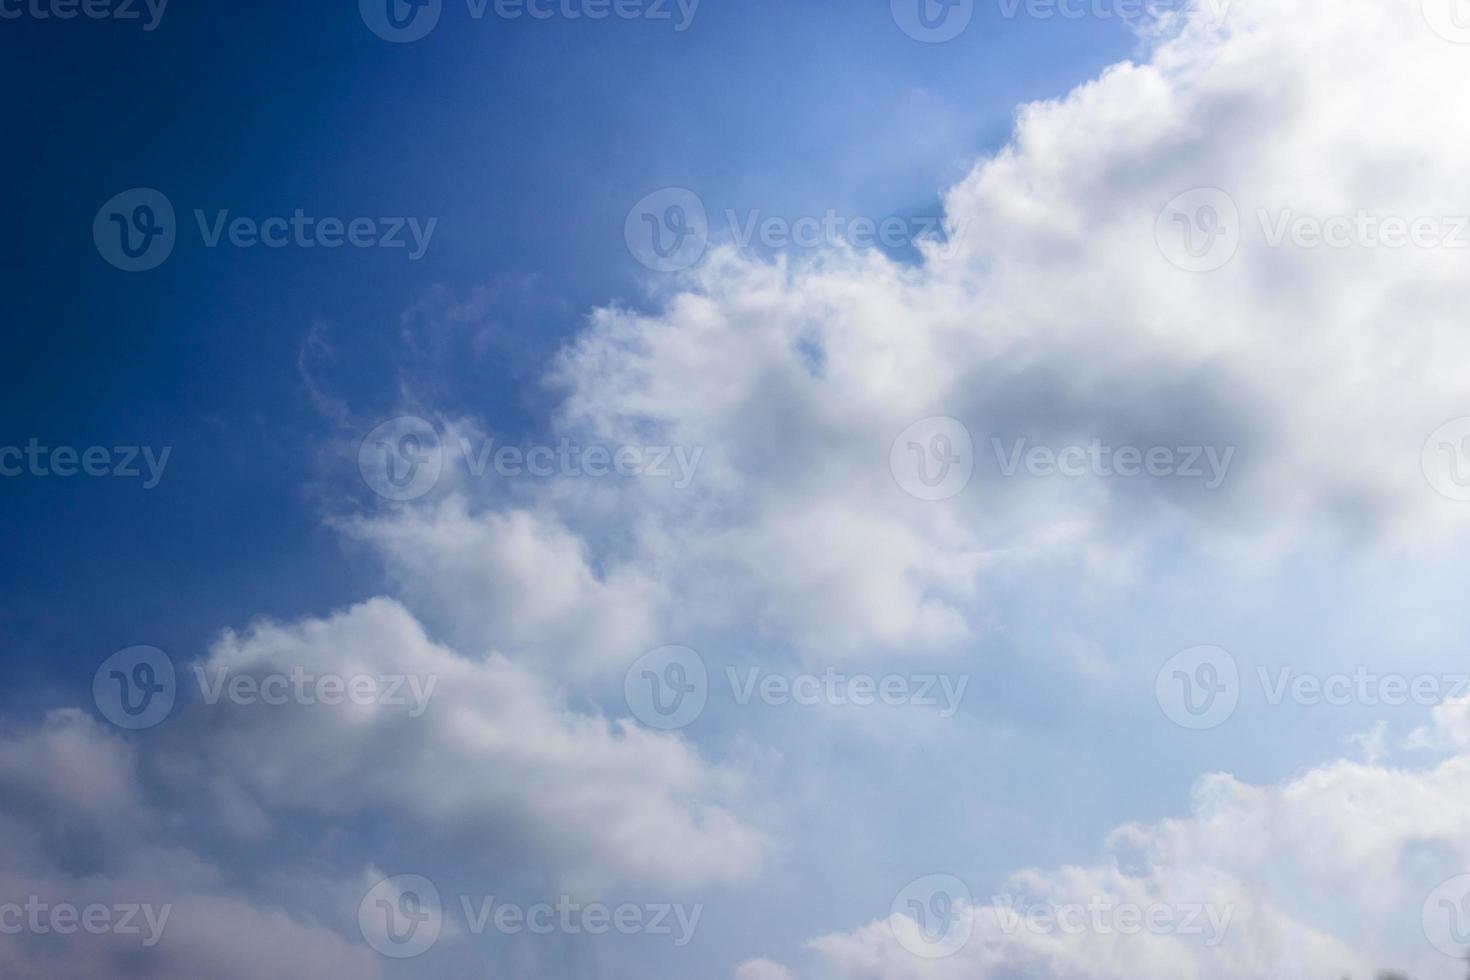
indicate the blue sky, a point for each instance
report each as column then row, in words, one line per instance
column 530, row 141
column 1059, row 310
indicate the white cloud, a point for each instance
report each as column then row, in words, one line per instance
column 497, row 763
column 519, row 582
column 1058, row 318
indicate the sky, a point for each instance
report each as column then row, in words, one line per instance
column 773, row 491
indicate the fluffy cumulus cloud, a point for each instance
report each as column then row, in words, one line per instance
column 1339, row 872
column 1069, row 309
column 482, row 753
column 94, row 882
column 1072, row 308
